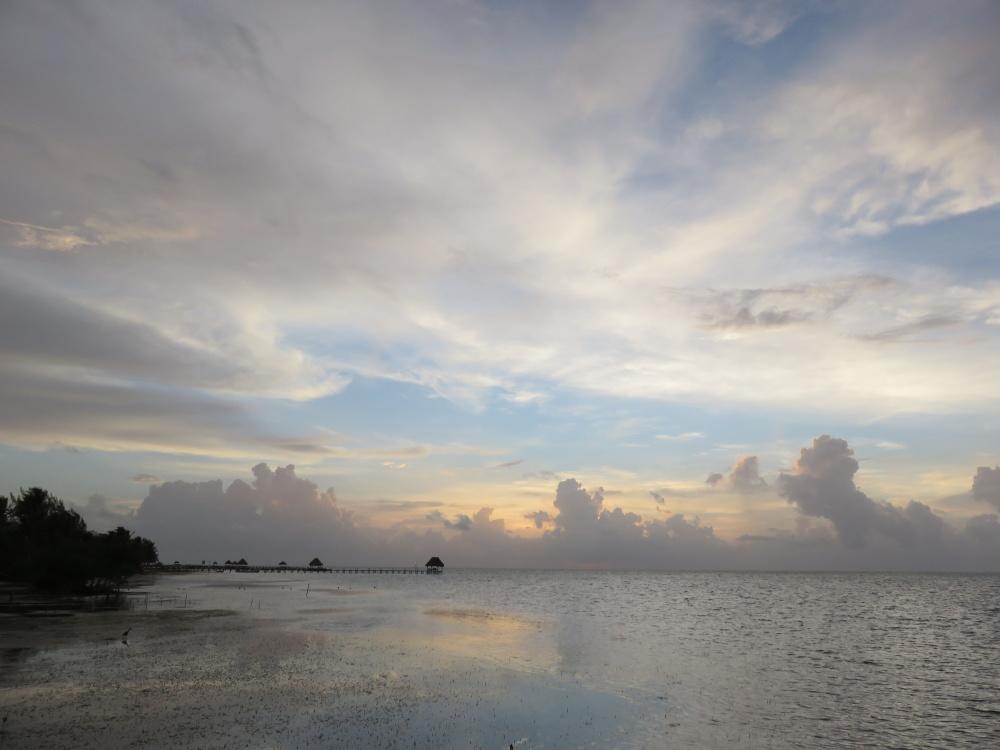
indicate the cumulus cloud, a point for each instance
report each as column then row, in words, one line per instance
column 102, row 513
column 986, row 485
column 822, row 485
column 744, row 477
column 276, row 515
column 279, row 515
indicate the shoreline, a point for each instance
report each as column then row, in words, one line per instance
column 341, row 668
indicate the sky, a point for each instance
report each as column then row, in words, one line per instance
column 628, row 284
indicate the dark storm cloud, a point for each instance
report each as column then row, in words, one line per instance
column 986, row 485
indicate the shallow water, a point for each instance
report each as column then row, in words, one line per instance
column 540, row 659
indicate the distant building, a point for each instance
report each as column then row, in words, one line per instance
column 434, row 565
column 316, row 563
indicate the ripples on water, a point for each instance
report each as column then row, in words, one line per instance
column 560, row 659
column 811, row 660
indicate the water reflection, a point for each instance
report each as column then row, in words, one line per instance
column 564, row 658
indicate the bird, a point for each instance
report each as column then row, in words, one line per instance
column 125, row 636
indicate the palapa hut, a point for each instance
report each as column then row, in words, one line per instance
column 316, row 563
column 434, row 565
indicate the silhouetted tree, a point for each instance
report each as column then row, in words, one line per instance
column 48, row 545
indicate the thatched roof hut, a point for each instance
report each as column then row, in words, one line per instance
column 315, row 563
column 434, row 562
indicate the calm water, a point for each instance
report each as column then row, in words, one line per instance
column 546, row 659
column 806, row 660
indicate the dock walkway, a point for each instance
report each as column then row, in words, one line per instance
column 359, row 569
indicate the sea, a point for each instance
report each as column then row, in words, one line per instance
column 533, row 659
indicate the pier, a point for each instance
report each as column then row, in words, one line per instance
column 355, row 569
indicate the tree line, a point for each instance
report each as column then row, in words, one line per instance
column 43, row 543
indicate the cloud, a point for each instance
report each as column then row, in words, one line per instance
column 94, row 231
column 889, row 445
column 279, row 515
column 509, row 464
column 275, row 516
column 986, row 486
column 505, row 207
column 906, row 331
column 745, row 476
column 822, row 485
column 757, row 23
column 540, row 518
column 681, row 437
column 505, row 246
column 658, row 497
column 779, row 306
column 462, row 522
column 63, row 239
column 102, row 514
column 145, row 479
column 768, row 318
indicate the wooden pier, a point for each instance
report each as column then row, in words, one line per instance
column 356, row 569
